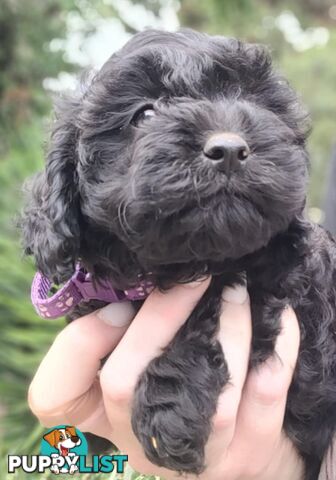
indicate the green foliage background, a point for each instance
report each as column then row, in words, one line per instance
column 27, row 29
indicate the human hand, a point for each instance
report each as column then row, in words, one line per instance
column 247, row 441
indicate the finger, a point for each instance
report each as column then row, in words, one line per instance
column 65, row 382
column 262, row 408
column 235, row 338
column 155, row 325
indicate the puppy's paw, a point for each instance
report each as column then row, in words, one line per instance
column 170, row 427
column 54, row 469
column 73, row 469
column 174, row 403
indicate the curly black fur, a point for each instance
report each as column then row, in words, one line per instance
column 129, row 199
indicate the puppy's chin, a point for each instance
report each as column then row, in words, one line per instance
column 225, row 228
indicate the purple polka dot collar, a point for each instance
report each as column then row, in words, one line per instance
column 80, row 288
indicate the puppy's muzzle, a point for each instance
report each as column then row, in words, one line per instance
column 226, row 151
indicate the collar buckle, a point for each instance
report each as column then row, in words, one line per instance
column 104, row 291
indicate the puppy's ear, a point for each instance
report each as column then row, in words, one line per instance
column 51, row 438
column 50, row 222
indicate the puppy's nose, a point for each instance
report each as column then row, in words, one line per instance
column 74, row 438
column 226, row 149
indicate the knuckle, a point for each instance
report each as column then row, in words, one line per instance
column 39, row 407
column 34, row 401
column 75, row 331
column 116, row 389
column 267, row 393
column 225, row 416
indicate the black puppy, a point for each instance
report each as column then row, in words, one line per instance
column 184, row 157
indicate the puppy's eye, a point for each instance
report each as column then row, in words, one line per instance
column 61, row 437
column 144, row 113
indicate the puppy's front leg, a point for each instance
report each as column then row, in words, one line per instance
column 176, row 397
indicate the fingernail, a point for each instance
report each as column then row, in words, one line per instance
column 237, row 294
column 117, row 314
column 195, row 284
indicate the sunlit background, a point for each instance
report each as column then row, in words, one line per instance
column 43, row 46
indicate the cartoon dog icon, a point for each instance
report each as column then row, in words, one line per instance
column 63, row 439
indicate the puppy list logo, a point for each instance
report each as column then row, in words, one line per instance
column 64, row 449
